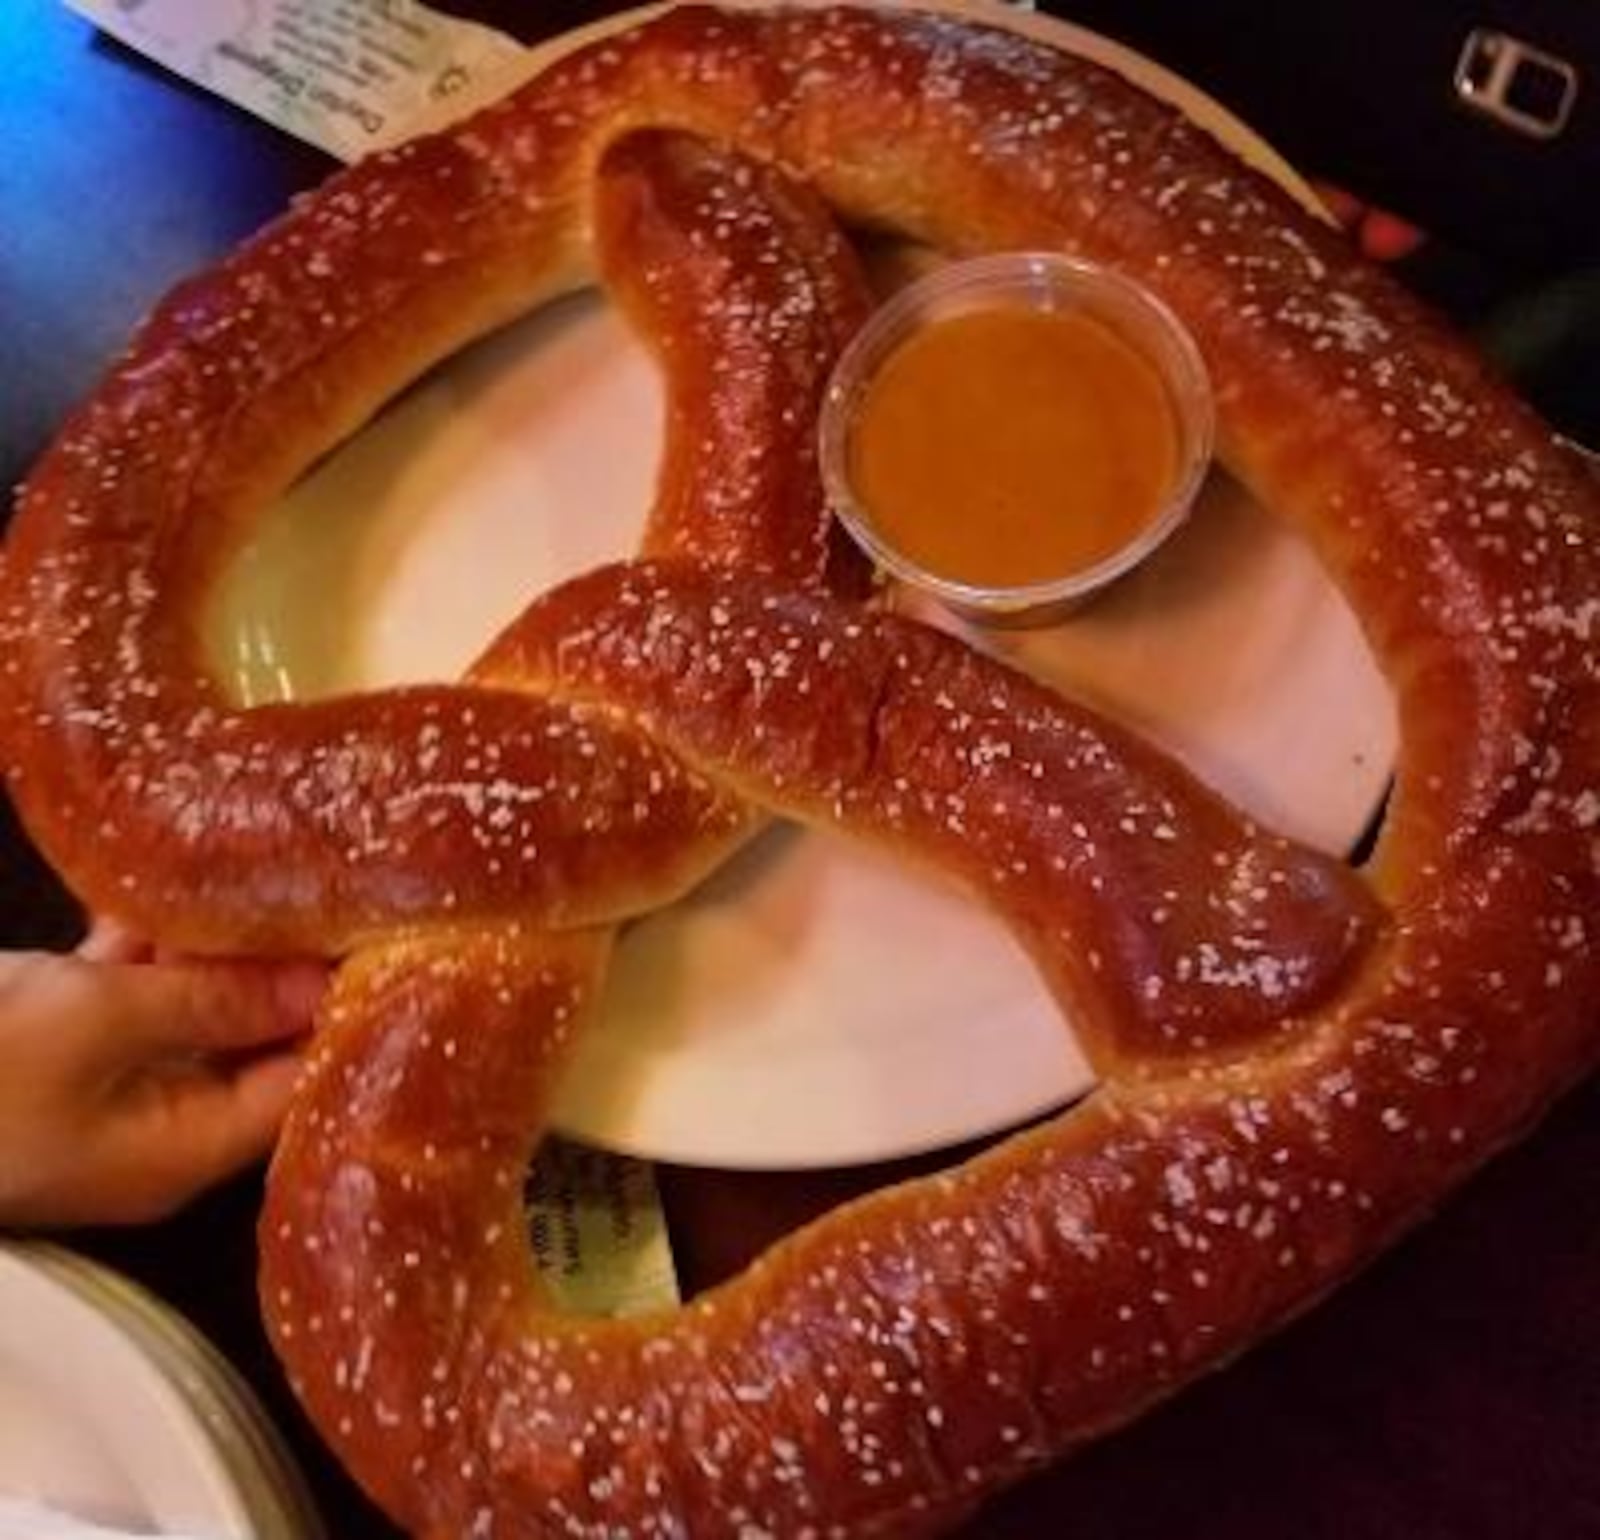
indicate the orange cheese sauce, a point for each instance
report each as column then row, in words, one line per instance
column 1005, row 447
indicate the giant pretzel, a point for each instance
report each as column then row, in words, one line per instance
column 1296, row 1059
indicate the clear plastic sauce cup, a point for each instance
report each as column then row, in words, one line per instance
column 1011, row 434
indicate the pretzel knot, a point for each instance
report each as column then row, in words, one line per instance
column 1296, row 1059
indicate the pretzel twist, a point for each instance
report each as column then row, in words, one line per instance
column 1296, row 1060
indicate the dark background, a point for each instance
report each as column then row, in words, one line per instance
column 1452, row 1393
column 1364, row 92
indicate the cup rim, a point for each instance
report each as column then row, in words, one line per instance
column 1016, row 274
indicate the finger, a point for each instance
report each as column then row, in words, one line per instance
column 1387, row 237
column 212, row 1007
column 172, row 1136
column 1345, row 208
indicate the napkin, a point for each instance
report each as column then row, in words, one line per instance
column 21, row 1519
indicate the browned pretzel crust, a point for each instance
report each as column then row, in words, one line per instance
column 1296, row 1062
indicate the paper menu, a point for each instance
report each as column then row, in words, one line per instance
column 349, row 76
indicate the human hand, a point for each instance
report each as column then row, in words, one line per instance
column 132, row 1080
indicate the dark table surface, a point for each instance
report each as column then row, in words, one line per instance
column 1452, row 1393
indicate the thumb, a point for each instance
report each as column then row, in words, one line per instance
column 111, row 941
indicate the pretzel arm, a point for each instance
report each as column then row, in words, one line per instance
column 1167, row 923
column 163, row 803
column 730, row 497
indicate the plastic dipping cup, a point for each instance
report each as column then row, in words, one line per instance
column 1013, row 433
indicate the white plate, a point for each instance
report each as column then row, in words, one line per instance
column 252, row 1450
column 92, row 1425
column 812, row 1005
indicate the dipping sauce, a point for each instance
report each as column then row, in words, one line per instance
column 1012, row 433
column 1012, row 446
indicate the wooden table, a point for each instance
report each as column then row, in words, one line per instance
column 1453, row 1393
